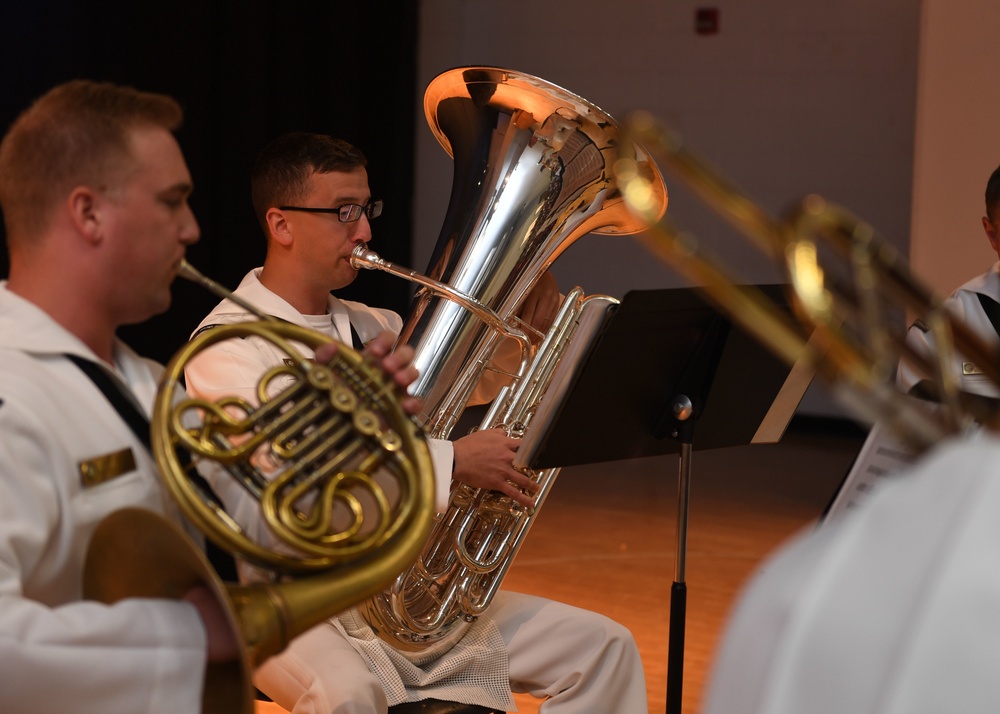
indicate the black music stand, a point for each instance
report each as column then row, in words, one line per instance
column 666, row 366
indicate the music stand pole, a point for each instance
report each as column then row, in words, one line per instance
column 683, row 411
column 665, row 361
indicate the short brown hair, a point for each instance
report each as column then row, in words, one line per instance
column 75, row 134
column 993, row 194
column 283, row 167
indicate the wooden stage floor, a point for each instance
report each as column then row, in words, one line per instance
column 606, row 538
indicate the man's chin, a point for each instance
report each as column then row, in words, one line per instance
column 345, row 278
column 151, row 310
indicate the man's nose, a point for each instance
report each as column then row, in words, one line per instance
column 363, row 234
column 191, row 231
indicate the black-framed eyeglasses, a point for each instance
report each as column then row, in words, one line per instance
column 348, row 213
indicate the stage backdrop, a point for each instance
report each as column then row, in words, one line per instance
column 245, row 72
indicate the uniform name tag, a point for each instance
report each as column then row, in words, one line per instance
column 970, row 368
column 103, row 468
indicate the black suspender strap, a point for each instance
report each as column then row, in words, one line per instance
column 129, row 412
column 992, row 310
column 223, row 562
column 356, row 338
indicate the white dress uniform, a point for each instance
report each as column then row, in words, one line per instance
column 67, row 460
column 965, row 303
column 892, row 609
column 894, row 606
column 582, row 661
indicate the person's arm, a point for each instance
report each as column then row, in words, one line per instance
column 541, row 305
column 538, row 311
column 484, row 459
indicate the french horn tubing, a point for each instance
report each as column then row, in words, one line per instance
column 850, row 291
column 348, row 494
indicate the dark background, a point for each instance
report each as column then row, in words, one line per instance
column 244, row 71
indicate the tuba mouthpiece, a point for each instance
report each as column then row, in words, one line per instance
column 362, row 257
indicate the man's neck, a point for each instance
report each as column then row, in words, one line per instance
column 73, row 315
column 305, row 298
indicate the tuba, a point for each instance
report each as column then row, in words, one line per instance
column 348, row 495
column 848, row 287
column 532, row 173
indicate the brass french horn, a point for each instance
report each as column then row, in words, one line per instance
column 348, row 494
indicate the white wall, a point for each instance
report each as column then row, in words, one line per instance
column 788, row 98
column 957, row 140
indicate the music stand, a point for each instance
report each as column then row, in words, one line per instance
column 666, row 366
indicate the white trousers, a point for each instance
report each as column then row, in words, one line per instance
column 579, row 661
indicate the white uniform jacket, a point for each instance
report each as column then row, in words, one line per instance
column 581, row 661
column 964, row 303
column 232, row 367
column 60, row 653
column 892, row 609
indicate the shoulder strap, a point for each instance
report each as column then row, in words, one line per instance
column 222, row 561
column 356, row 338
column 992, row 310
column 125, row 407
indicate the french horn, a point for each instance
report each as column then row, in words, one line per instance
column 851, row 292
column 348, row 495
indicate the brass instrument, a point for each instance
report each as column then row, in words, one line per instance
column 532, row 174
column 347, row 495
column 849, row 289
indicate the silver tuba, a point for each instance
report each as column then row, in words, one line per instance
column 532, row 174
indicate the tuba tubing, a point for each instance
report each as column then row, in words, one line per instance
column 473, row 544
column 532, row 174
column 345, row 424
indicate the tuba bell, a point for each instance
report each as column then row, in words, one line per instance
column 348, row 495
column 532, row 173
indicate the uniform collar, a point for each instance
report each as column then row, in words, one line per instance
column 25, row 326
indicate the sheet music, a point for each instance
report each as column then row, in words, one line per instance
column 880, row 456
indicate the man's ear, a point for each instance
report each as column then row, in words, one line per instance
column 84, row 212
column 991, row 233
column 278, row 226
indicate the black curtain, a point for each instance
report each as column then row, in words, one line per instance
column 244, row 71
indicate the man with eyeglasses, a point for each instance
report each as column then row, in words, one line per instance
column 311, row 196
column 94, row 191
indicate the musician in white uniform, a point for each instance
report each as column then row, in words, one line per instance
column 892, row 608
column 580, row 661
column 977, row 303
column 94, row 193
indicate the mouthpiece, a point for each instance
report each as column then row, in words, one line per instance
column 364, row 258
